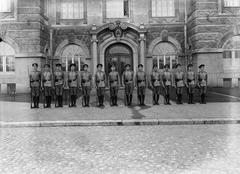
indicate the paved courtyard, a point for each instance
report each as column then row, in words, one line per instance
column 182, row 149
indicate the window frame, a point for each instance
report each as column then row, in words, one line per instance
column 124, row 19
column 223, row 4
column 4, row 59
column 159, row 18
column 60, row 21
column 12, row 15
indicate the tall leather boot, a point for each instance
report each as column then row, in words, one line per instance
column 165, row 99
column 60, row 102
column 154, row 99
column 115, row 101
column 204, row 99
column 140, row 100
column 180, row 99
column 130, row 101
column 168, row 99
column 34, row 102
column 88, row 99
column 37, row 102
column 127, row 98
column 111, row 101
column 192, row 100
column 157, row 99
column 143, row 99
column 189, row 98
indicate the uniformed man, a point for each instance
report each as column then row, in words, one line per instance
column 86, row 84
column 202, row 83
column 179, row 82
column 155, row 84
column 114, row 84
column 141, row 84
column 166, row 83
column 35, row 85
column 100, row 81
column 73, row 85
column 128, row 83
column 47, row 82
column 190, row 82
column 58, row 84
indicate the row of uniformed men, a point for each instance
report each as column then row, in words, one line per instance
column 46, row 81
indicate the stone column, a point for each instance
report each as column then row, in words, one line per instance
column 94, row 53
column 142, row 49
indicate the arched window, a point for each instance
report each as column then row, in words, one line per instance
column 7, row 59
column 164, row 53
column 72, row 54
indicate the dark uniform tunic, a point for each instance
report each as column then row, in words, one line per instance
column 166, row 81
column 86, row 79
column 141, row 81
column 128, row 82
column 35, row 83
column 179, row 81
column 47, row 83
column 58, row 82
column 73, row 82
column 155, row 81
column 190, row 81
column 100, row 79
column 202, row 82
column 114, row 83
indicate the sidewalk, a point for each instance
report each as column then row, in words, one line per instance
column 14, row 114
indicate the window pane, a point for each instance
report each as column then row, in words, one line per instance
column 126, row 8
column 161, row 62
column 5, row 5
column 115, row 8
column 237, row 54
column 161, row 8
column 231, row 3
column 72, row 9
column 10, row 63
column 1, row 64
column 227, row 54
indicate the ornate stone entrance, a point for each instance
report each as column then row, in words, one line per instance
column 118, row 54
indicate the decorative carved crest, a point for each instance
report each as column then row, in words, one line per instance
column 117, row 29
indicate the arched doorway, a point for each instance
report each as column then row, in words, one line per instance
column 164, row 53
column 119, row 54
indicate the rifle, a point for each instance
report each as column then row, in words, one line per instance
column 30, row 89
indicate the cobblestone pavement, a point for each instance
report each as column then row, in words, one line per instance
column 197, row 149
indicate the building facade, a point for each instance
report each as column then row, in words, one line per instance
column 119, row 31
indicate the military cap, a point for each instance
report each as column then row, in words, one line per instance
column 99, row 65
column 166, row 65
column 190, row 65
column 200, row 66
column 85, row 65
column 73, row 64
column 47, row 65
column 178, row 65
column 155, row 65
column 140, row 65
column 35, row 64
column 128, row 65
column 58, row 64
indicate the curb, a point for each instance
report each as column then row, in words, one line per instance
column 146, row 122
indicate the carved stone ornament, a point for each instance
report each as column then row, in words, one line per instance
column 117, row 29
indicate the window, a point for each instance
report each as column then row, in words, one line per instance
column 227, row 54
column 164, row 53
column 10, row 64
column 237, row 54
column 117, row 8
column 163, row 8
column 72, row 54
column 5, row 6
column 231, row 3
column 7, row 59
column 72, row 9
column 227, row 82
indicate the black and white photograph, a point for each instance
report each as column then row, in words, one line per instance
column 119, row 86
